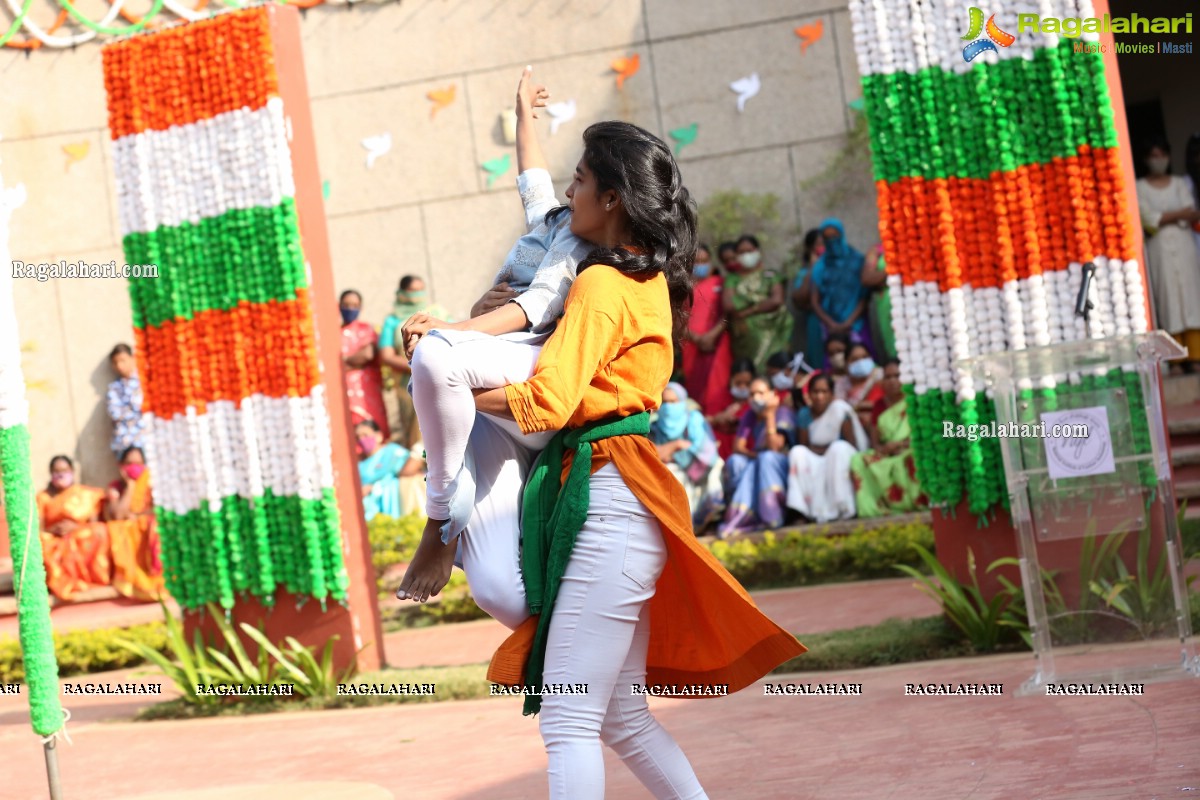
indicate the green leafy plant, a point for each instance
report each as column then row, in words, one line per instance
column 189, row 664
column 726, row 215
column 1146, row 596
column 984, row 622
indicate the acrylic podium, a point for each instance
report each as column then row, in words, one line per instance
column 1097, row 535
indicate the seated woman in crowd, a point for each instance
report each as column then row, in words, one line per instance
column 74, row 541
column 862, row 385
column 756, row 475
column 780, row 375
column 818, row 484
column 885, row 477
column 687, row 446
column 133, row 531
column 381, row 465
column 725, row 423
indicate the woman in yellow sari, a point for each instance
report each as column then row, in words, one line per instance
column 137, row 564
column 74, row 542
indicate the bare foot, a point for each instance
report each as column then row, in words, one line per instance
column 431, row 565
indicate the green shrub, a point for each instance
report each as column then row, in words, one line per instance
column 85, row 652
column 393, row 541
column 798, row 559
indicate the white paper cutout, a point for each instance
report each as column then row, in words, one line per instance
column 376, row 147
column 746, row 88
column 560, row 113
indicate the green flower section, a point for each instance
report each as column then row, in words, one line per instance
column 994, row 118
column 242, row 255
column 253, row 546
column 949, row 468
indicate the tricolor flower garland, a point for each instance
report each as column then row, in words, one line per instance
column 996, row 180
column 238, row 431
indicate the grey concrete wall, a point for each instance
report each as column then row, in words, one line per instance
column 424, row 208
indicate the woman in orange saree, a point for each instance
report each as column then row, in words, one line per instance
column 74, row 543
column 133, row 531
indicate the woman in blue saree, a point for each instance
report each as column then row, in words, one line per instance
column 839, row 299
column 687, row 445
column 380, row 468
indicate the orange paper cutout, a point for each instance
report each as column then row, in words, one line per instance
column 809, row 34
column 625, row 68
column 441, row 98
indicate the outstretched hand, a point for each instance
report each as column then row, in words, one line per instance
column 530, row 96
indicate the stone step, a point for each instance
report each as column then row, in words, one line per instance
column 1181, row 390
column 1185, row 455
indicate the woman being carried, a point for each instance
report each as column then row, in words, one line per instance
column 476, row 463
column 623, row 595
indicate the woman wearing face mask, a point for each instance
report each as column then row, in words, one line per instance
column 818, row 484
column 360, row 362
column 1168, row 211
column 411, row 298
column 686, row 444
column 839, row 299
column 836, row 346
column 74, row 541
column 861, row 386
column 707, row 356
column 724, row 423
column 753, row 300
column 885, row 477
column 133, row 532
column 781, row 369
column 756, row 475
column 381, row 468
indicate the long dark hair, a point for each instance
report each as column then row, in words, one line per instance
column 639, row 167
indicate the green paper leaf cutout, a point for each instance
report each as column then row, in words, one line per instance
column 325, row 190
column 857, row 105
column 496, row 167
column 685, row 135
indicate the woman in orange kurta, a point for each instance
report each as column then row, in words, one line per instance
column 74, row 543
column 641, row 602
column 137, row 563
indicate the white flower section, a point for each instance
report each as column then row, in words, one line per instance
column 271, row 444
column 236, row 160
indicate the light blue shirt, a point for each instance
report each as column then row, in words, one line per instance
column 542, row 264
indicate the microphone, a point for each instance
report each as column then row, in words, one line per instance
column 1082, row 304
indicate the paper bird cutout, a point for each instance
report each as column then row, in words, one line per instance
column 77, row 151
column 746, row 88
column 625, row 68
column 325, row 190
column 809, row 34
column 560, row 113
column 496, row 167
column 857, row 105
column 376, row 147
column 685, row 135
column 441, row 98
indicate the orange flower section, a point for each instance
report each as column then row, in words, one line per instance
column 1037, row 218
column 253, row 348
column 177, row 76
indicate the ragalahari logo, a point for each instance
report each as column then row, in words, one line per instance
column 994, row 37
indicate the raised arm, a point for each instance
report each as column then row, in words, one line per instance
column 529, row 98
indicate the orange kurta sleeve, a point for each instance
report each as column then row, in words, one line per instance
column 587, row 338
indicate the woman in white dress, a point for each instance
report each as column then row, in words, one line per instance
column 1168, row 211
column 819, row 484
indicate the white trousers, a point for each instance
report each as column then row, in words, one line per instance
column 599, row 635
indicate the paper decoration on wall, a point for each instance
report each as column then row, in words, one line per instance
column 809, row 34
column 685, row 135
column 440, row 99
column 625, row 68
column 496, row 167
column 376, row 147
column 560, row 113
column 76, row 151
column 857, row 105
column 746, row 88
column 325, row 190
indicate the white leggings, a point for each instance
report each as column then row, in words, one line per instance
column 599, row 635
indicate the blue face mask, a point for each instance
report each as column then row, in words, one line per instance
column 672, row 420
column 350, row 314
column 701, row 270
column 861, row 368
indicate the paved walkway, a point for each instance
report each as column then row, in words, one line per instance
column 882, row 744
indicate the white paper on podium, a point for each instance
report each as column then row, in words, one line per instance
column 1073, row 457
